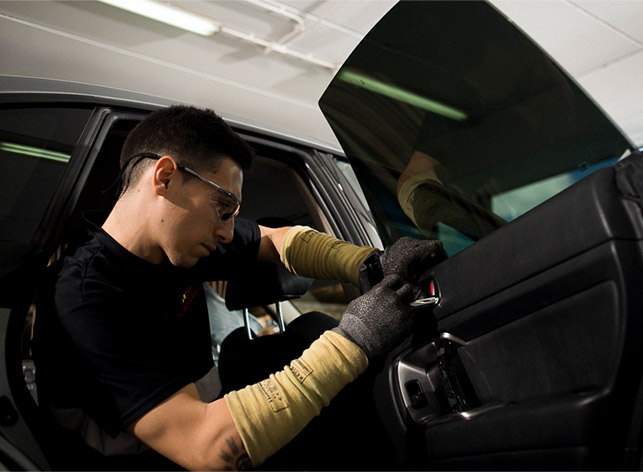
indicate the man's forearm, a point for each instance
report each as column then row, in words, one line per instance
column 271, row 413
column 309, row 253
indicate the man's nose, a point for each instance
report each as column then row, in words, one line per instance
column 224, row 230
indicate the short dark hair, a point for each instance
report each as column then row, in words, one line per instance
column 191, row 135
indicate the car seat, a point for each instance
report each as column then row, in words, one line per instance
column 246, row 359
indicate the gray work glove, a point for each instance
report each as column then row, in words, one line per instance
column 381, row 318
column 410, row 258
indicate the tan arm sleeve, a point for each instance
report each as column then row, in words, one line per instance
column 309, row 253
column 271, row 413
column 405, row 196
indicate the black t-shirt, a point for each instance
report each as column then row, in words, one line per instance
column 122, row 334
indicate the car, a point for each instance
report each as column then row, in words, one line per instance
column 454, row 126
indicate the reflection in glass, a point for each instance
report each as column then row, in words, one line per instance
column 457, row 124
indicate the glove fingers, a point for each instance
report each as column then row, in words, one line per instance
column 411, row 258
column 392, row 281
column 408, row 293
column 428, row 256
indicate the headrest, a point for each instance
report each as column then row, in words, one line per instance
column 266, row 283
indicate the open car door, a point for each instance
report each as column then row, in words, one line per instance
column 460, row 128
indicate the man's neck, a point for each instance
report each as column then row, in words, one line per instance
column 127, row 223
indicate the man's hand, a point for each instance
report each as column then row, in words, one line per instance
column 410, row 258
column 378, row 320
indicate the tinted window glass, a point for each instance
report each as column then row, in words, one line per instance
column 35, row 147
column 455, row 123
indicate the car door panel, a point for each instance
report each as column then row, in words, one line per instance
column 580, row 218
column 546, row 314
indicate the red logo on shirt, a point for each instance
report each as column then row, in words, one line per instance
column 188, row 297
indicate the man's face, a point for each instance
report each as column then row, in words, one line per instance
column 194, row 222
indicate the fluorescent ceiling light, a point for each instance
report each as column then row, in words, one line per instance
column 399, row 94
column 34, row 152
column 169, row 15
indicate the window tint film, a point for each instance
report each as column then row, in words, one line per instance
column 35, row 147
column 456, row 123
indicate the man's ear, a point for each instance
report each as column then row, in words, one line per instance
column 165, row 171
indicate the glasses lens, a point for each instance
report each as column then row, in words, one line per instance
column 225, row 204
column 226, row 208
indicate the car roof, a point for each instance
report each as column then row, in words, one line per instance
column 55, row 90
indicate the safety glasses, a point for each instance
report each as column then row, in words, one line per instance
column 226, row 205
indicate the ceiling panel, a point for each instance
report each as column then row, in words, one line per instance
column 575, row 39
column 623, row 98
column 599, row 41
column 624, row 15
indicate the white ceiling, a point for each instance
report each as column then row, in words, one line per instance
column 599, row 41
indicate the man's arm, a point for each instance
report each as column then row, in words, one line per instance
column 270, row 245
column 195, row 435
column 310, row 253
column 248, row 426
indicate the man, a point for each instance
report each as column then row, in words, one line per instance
column 124, row 354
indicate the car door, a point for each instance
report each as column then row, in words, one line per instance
column 528, row 354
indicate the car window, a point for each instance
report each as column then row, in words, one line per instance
column 461, row 125
column 289, row 202
column 35, row 147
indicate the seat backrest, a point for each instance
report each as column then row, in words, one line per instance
column 264, row 284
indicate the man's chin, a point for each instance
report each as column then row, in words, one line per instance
column 184, row 262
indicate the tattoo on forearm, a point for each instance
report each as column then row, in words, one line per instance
column 235, row 456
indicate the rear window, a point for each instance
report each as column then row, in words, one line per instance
column 456, row 123
column 35, row 147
